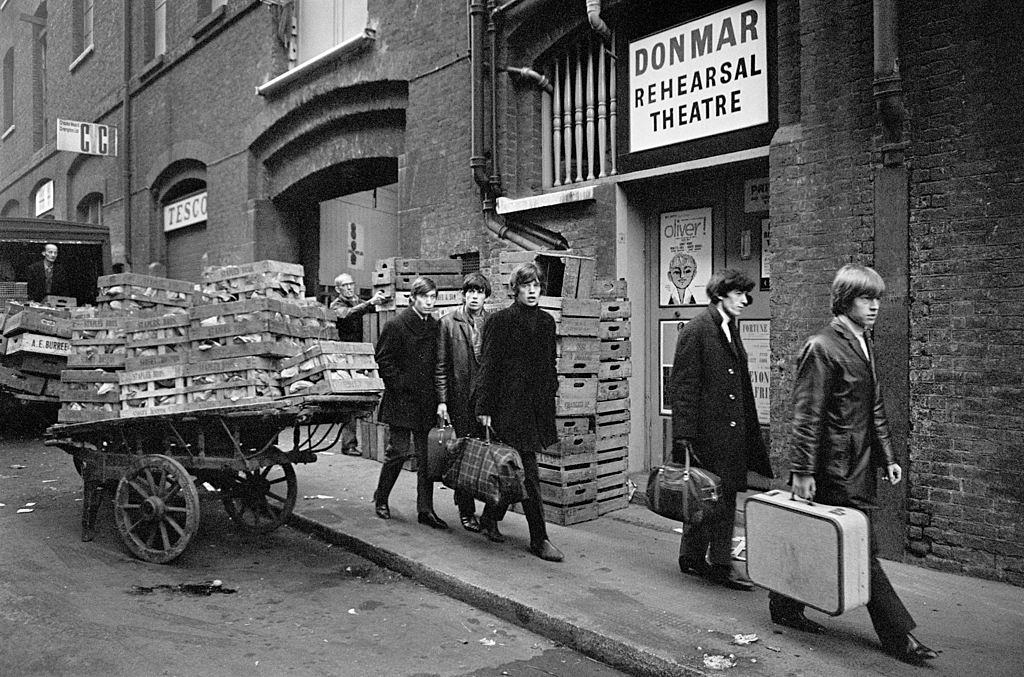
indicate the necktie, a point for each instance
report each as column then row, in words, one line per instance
column 734, row 333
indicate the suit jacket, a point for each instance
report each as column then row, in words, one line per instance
column 406, row 353
column 713, row 402
column 840, row 430
column 36, row 275
column 516, row 383
column 456, row 368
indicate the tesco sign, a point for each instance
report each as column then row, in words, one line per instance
column 185, row 212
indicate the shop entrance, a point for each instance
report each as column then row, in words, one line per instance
column 696, row 223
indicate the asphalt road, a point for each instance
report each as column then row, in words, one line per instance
column 298, row 606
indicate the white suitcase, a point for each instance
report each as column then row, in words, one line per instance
column 817, row 554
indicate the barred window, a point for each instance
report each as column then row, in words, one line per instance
column 578, row 117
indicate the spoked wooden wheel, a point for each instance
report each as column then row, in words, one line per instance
column 156, row 508
column 260, row 500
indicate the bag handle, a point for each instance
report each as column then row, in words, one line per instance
column 794, row 497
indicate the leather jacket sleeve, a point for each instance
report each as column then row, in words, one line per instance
column 444, row 343
column 882, row 447
column 811, row 390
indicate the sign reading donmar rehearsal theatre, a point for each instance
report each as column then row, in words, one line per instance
column 704, row 77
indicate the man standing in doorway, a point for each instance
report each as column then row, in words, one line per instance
column 840, row 437
column 350, row 310
column 46, row 277
column 714, row 420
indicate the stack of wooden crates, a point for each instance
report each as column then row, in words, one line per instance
column 584, row 475
column 156, row 345
column 34, row 345
column 394, row 276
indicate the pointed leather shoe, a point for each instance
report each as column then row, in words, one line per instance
column 694, row 567
column 431, row 520
column 382, row 510
column 911, row 651
column 727, row 578
column 547, row 551
column 470, row 523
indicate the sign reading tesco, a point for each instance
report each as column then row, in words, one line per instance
column 185, row 212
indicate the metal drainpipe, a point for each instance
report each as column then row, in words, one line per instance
column 492, row 33
column 888, row 85
column 126, row 136
column 541, row 81
column 596, row 22
column 477, row 161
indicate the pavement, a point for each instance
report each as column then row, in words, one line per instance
column 619, row 595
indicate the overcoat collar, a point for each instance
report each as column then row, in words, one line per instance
column 715, row 317
column 840, row 328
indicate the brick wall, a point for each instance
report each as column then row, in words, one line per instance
column 965, row 81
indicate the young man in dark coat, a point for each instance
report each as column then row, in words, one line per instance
column 841, row 439
column 406, row 356
column 515, row 395
column 458, row 355
column 714, row 417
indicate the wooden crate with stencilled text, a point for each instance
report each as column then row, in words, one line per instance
column 145, row 392
column 332, row 367
column 88, row 395
column 155, row 341
column 221, row 383
column 269, row 338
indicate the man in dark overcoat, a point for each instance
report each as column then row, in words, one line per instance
column 458, row 355
column 46, row 277
column 515, row 395
column 841, row 440
column 714, row 418
column 406, row 355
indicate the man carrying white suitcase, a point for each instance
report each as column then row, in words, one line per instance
column 840, row 436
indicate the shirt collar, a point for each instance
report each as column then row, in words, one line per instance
column 857, row 330
column 422, row 317
column 726, row 318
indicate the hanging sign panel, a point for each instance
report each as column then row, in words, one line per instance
column 705, row 77
column 90, row 138
column 185, row 212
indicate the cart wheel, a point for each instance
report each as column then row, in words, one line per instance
column 262, row 500
column 156, row 508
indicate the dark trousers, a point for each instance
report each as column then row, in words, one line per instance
column 713, row 533
column 533, row 507
column 889, row 616
column 464, row 500
column 396, row 454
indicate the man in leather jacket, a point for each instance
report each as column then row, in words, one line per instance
column 840, row 438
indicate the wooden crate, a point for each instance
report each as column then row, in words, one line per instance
column 606, row 289
column 577, row 326
column 573, row 425
column 404, row 281
column 612, row 442
column 36, row 363
column 571, row 514
column 332, row 367
column 615, row 310
column 613, row 497
column 145, row 392
column 579, row 347
column 445, row 297
column 576, row 396
column 573, row 445
column 37, row 343
column 231, row 381
column 619, row 369
column 616, row 429
column 133, row 291
column 612, row 462
column 609, row 330
column 429, row 267
column 86, row 412
column 20, row 382
column 611, row 411
column 98, row 328
column 612, row 390
column 372, row 438
column 615, row 350
column 258, row 309
column 570, row 365
column 259, row 279
column 567, row 469
column 109, row 353
column 571, row 307
column 571, row 494
column 274, row 338
column 89, row 385
column 31, row 321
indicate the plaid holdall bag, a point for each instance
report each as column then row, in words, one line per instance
column 488, row 470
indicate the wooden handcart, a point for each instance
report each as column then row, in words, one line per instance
column 157, row 465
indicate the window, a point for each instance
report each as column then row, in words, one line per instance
column 578, row 117
column 90, row 209
column 8, row 112
column 322, row 24
column 206, row 7
column 82, row 27
column 156, row 28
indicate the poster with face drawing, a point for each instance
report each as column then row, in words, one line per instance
column 685, row 257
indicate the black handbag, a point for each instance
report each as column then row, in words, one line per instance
column 683, row 493
column 440, row 450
